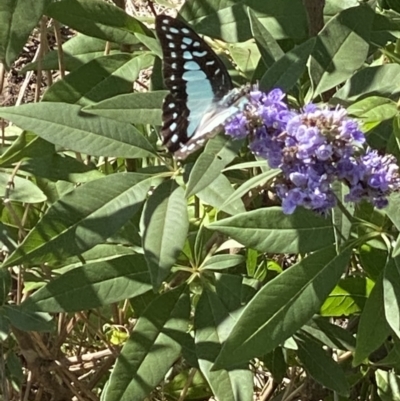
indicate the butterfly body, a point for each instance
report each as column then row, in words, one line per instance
column 213, row 119
column 201, row 94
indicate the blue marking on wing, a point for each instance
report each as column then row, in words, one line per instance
column 200, row 98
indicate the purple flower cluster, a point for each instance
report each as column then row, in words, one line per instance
column 313, row 147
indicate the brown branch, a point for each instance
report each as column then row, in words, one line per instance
column 315, row 15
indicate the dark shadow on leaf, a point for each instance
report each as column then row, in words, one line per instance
column 93, row 285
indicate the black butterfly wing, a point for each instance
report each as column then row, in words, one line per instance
column 195, row 77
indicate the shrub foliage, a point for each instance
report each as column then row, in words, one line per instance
column 129, row 276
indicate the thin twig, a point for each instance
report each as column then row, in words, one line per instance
column 7, row 202
column 346, row 355
column 2, row 75
column 25, row 84
column 60, row 51
column 151, row 6
column 3, row 375
column 290, row 385
column 268, row 390
column 3, row 132
column 25, row 218
column 189, row 380
column 39, row 394
column 26, row 80
column 99, row 375
column 20, row 286
column 107, row 49
column 294, row 393
column 92, row 356
column 77, row 386
column 28, row 387
column 41, row 49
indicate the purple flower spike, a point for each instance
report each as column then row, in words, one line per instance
column 380, row 176
column 324, row 152
column 313, row 148
column 237, row 126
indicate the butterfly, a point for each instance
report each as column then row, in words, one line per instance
column 201, row 95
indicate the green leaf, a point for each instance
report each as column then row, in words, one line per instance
column 16, row 23
column 7, row 238
column 98, row 19
column 229, row 19
column 321, row 366
column 129, row 234
column 396, row 248
column 26, row 145
column 269, row 49
column 393, row 208
column 99, row 253
column 164, row 228
column 216, row 193
column 329, row 334
column 256, row 181
column 93, row 285
column 375, row 217
column 334, row 59
column 373, row 328
column 14, row 370
column 247, row 165
column 385, row 29
column 373, row 260
column 391, row 294
column 392, row 357
column 83, row 218
column 379, row 80
column 99, row 79
column 286, row 71
column 348, row 297
column 270, row 230
column 188, row 350
column 20, row 190
column 152, row 347
column 58, row 166
column 234, row 291
column 222, row 262
column 151, row 43
column 342, row 214
column 198, row 389
column 333, row 7
column 77, row 51
column 293, row 297
column 213, row 322
column 27, row 320
column 251, row 262
column 4, row 326
column 380, row 134
column 274, row 361
column 218, row 152
column 246, row 57
column 135, row 108
column 388, row 384
column 65, row 125
column 373, row 109
column 141, row 302
column 393, row 143
column 393, row 4
column 5, row 285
